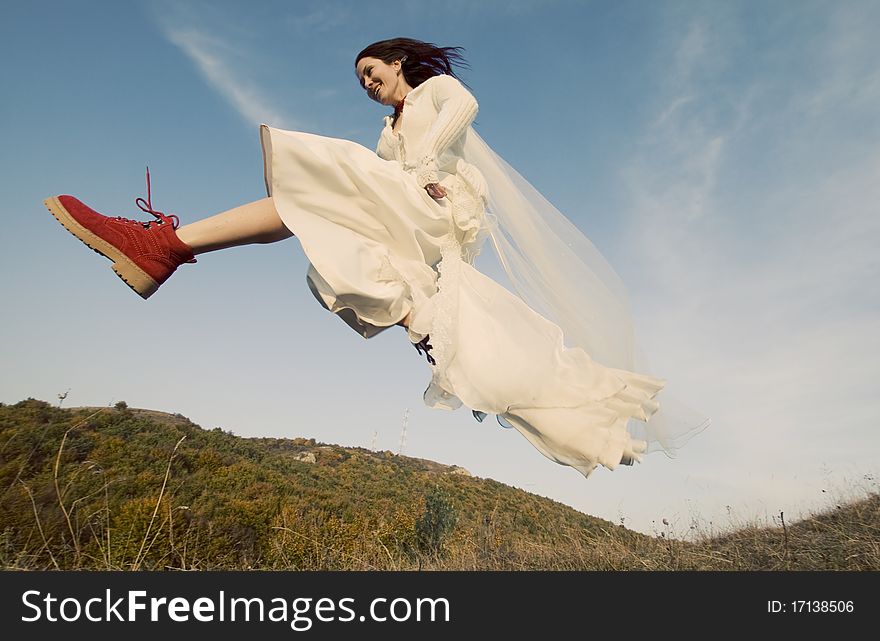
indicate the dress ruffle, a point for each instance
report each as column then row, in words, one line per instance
column 381, row 248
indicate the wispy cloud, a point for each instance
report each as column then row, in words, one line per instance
column 211, row 42
column 688, row 133
column 212, row 58
column 849, row 60
column 768, row 314
column 322, row 17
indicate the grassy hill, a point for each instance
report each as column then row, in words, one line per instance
column 120, row 488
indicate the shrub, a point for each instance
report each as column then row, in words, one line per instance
column 436, row 522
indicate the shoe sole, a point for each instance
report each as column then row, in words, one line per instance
column 122, row 266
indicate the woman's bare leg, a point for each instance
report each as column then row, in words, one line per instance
column 256, row 222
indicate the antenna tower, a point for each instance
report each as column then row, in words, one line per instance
column 403, row 432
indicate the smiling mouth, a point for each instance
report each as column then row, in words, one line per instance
column 376, row 92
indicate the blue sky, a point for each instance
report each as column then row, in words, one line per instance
column 724, row 156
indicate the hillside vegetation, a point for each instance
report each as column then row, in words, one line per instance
column 119, row 488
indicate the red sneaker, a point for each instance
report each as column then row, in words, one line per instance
column 144, row 254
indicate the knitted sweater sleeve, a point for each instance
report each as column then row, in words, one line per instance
column 456, row 109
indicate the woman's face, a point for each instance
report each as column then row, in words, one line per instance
column 383, row 82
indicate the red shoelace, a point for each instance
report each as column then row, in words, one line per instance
column 146, row 206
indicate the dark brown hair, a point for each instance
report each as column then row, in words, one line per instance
column 419, row 60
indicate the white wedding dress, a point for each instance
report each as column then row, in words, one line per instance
column 381, row 248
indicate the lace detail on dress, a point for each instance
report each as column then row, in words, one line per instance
column 444, row 325
column 426, row 171
column 468, row 199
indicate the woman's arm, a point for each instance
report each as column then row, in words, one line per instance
column 457, row 109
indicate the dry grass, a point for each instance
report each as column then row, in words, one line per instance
column 69, row 518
